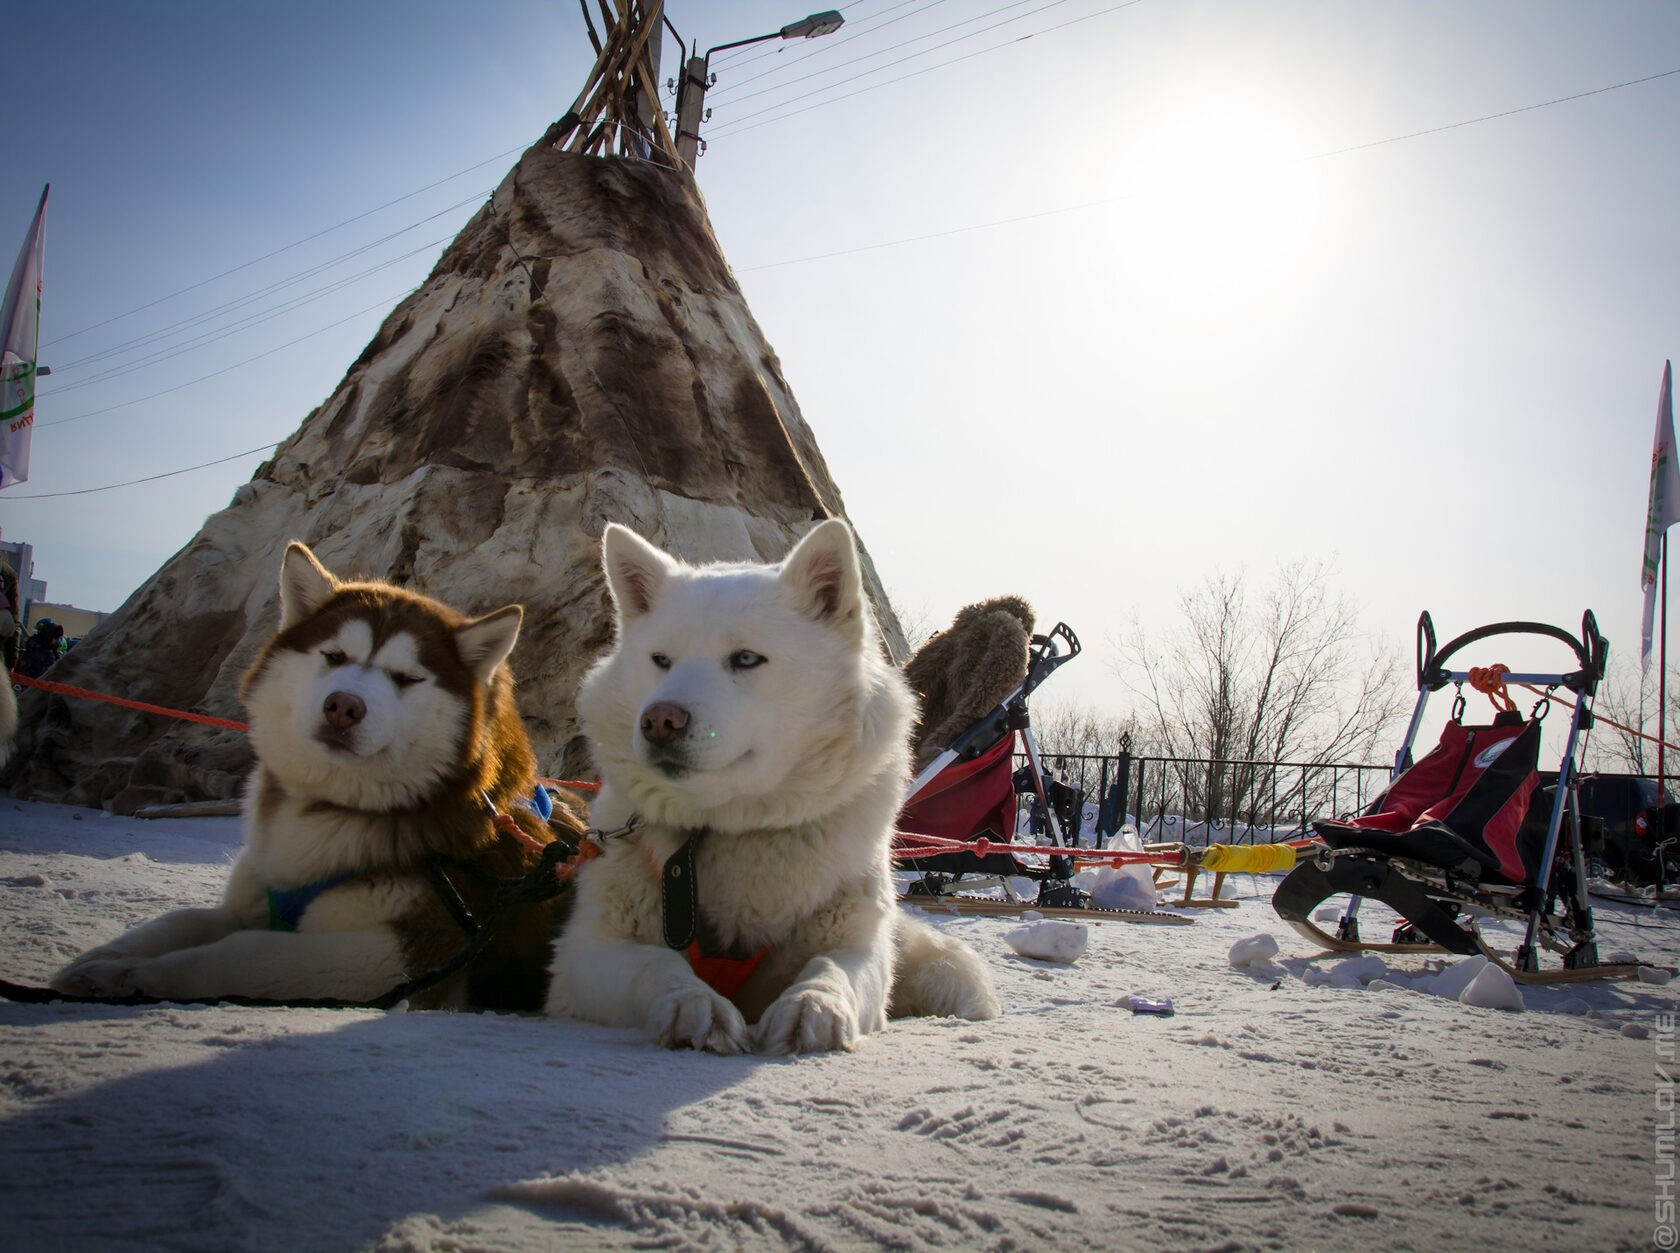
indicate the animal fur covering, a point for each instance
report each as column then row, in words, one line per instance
column 966, row 670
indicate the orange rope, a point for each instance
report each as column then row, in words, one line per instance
column 1490, row 682
column 1598, row 717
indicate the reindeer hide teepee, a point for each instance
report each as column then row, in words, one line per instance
column 580, row 354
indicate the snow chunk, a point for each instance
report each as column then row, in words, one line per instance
column 1051, row 940
column 1254, row 950
column 1452, row 981
column 1492, row 988
column 1635, row 1030
column 1654, row 975
column 1575, row 1005
column 1363, row 968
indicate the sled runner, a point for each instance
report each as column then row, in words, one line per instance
column 1447, row 845
column 970, row 791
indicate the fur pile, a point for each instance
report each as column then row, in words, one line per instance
column 966, row 670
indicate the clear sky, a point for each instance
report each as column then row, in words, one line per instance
column 1083, row 316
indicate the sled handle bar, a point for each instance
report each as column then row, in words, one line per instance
column 1045, row 655
column 1591, row 650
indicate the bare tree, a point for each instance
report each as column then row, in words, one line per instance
column 914, row 619
column 1281, row 674
column 1623, row 737
column 1066, row 730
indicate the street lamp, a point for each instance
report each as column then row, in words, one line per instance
column 691, row 93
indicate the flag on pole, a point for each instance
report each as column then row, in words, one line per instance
column 20, row 334
column 1663, row 509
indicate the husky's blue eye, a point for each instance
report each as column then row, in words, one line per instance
column 333, row 657
column 662, row 661
column 745, row 660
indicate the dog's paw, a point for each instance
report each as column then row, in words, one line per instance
column 698, row 1018
column 808, row 1020
column 102, row 972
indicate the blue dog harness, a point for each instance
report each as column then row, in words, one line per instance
column 286, row 906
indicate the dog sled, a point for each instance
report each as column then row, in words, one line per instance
column 1464, row 835
column 969, row 792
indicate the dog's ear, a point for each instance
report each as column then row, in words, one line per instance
column 822, row 570
column 636, row 570
column 484, row 643
column 305, row 585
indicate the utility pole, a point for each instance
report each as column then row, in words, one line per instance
column 697, row 77
column 691, row 99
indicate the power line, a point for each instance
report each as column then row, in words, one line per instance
column 255, row 319
column 1108, row 200
column 1527, row 108
column 828, row 47
column 387, row 303
column 911, row 57
column 932, row 34
column 151, row 478
column 735, row 129
column 238, row 302
column 245, row 265
column 735, row 58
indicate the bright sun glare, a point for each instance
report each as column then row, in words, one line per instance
column 1218, row 201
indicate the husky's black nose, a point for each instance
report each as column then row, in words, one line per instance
column 344, row 710
column 664, row 722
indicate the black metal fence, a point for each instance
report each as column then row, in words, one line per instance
column 1201, row 801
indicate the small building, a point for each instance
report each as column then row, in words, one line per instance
column 33, row 593
column 21, row 558
column 76, row 622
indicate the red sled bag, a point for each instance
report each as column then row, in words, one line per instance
column 1461, row 806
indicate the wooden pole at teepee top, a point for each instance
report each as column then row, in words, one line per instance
column 607, row 112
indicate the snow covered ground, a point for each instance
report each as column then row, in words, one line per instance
column 1282, row 1106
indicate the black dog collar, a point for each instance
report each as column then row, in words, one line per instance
column 679, row 892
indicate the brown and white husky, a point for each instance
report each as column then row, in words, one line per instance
column 387, row 743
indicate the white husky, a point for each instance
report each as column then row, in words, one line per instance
column 747, row 720
column 387, row 746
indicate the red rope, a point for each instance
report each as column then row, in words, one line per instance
column 909, row 846
column 64, row 689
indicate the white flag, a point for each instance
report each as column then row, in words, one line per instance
column 20, row 333
column 1663, row 509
